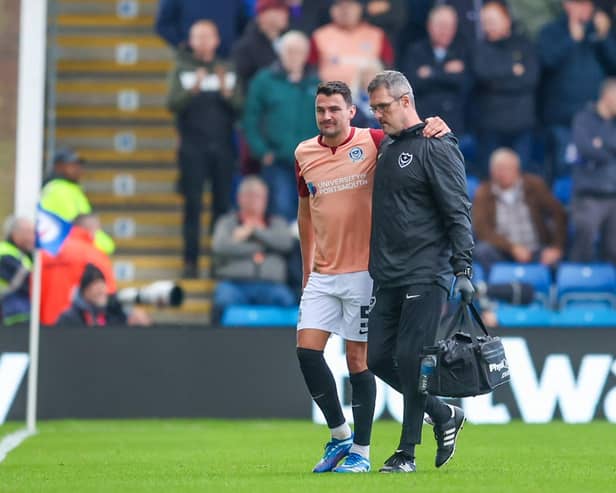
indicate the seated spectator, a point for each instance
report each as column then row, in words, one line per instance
column 516, row 217
column 340, row 49
column 204, row 96
column 577, row 51
column 389, row 15
column 256, row 48
column 92, row 306
column 249, row 251
column 63, row 195
column 279, row 113
column 175, row 18
column 594, row 179
column 439, row 70
column 15, row 267
column 506, row 71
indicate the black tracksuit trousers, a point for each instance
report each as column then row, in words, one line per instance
column 402, row 321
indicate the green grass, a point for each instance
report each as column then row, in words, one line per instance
column 276, row 456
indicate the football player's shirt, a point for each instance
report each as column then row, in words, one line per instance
column 338, row 181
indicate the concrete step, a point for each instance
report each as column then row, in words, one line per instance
column 140, row 202
column 127, row 95
column 124, row 8
column 152, row 156
column 130, row 182
column 113, row 114
column 153, row 267
column 104, row 21
column 135, row 225
column 89, row 67
column 122, row 139
column 158, row 245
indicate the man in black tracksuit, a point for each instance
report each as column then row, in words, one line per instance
column 421, row 235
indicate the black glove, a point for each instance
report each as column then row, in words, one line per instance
column 464, row 286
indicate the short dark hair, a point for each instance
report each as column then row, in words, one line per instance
column 336, row 87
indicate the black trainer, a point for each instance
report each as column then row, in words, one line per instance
column 401, row 461
column 446, row 435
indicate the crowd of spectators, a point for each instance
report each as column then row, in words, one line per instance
column 525, row 86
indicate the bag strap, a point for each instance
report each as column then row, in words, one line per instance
column 475, row 314
column 467, row 312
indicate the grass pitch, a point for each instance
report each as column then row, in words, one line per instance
column 276, row 456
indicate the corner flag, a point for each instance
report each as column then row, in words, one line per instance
column 51, row 230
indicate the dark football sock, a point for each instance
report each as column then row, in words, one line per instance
column 437, row 409
column 321, row 385
column 364, row 395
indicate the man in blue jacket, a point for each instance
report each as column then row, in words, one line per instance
column 577, row 51
column 594, row 180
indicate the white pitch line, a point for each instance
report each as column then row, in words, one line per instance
column 13, row 441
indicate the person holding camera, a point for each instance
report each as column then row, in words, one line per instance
column 421, row 235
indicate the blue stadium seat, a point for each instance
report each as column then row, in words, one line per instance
column 259, row 316
column 584, row 317
column 472, row 184
column 535, row 274
column 520, row 316
column 562, row 189
column 585, row 282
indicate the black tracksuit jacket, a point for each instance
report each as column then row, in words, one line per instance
column 421, row 222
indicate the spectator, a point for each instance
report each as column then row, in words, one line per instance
column 15, row 267
column 92, row 306
column 256, row 48
column 204, row 95
column 594, row 180
column 532, row 15
column 63, row 195
column 389, row 15
column 516, row 217
column 176, row 17
column 249, row 249
column 506, row 71
column 439, row 71
column 577, row 51
column 279, row 113
column 61, row 273
column 340, row 49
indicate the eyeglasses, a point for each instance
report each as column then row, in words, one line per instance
column 383, row 107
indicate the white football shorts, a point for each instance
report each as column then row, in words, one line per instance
column 337, row 303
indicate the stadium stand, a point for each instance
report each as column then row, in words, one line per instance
column 110, row 106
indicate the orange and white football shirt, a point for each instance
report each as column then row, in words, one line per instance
column 338, row 181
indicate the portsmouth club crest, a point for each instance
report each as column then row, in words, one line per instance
column 356, row 154
column 404, row 159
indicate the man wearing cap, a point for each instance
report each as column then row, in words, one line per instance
column 64, row 196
